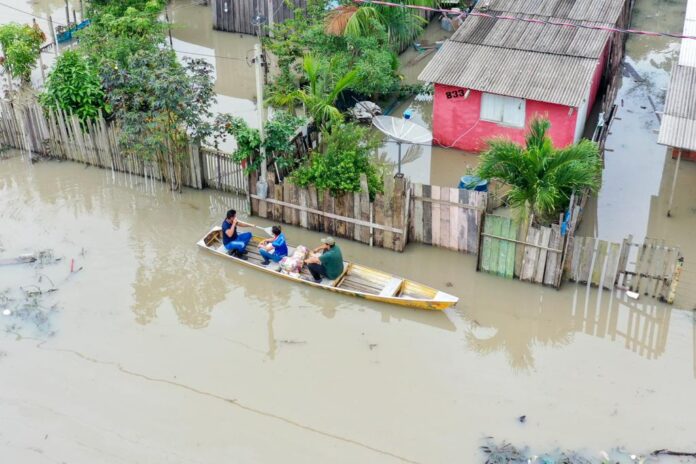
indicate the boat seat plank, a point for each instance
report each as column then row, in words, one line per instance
column 392, row 287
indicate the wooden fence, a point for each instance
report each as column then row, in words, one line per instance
column 57, row 134
column 446, row 217
column 532, row 254
column 650, row 268
column 238, row 15
column 382, row 222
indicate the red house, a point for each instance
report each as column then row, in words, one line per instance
column 494, row 75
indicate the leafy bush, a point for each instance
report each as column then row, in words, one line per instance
column 21, row 44
column 74, row 86
column 345, row 158
column 542, row 178
column 279, row 132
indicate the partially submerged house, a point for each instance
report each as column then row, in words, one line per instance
column 678, row 128
column 251, row 16
column 494, row 75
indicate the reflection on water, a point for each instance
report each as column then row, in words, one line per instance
column 641, row 327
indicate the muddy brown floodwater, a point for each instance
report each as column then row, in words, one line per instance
column 156, row 352
column 159, row 352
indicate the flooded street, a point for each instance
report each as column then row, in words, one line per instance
column 153, row 351
column 159, row 352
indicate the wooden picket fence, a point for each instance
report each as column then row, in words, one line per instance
column 650, row 268
column 382, row 222
column 446, row 217
column 57, row 134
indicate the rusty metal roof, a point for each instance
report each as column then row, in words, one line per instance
column 678, row 128
column 543, row 62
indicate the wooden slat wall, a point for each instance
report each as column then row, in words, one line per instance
column 533, row 255
column 240, row 13
column 446, row 217
column 381, row 222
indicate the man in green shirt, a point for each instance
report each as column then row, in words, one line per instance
column 329, row 264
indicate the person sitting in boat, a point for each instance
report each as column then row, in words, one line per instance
column 234, row 242
column 328, row 264
column 273, row 249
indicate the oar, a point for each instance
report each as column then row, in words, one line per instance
column 268, row 230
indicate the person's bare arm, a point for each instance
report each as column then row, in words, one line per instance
column 312, row 260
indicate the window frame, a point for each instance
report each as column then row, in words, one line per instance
column 505, row 100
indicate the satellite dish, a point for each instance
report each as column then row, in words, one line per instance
column 402, row 131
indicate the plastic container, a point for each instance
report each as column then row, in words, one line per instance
column 473, row 183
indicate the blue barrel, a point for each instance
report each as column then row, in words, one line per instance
column 473, row 183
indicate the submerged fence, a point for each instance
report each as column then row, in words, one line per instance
column 57, row 134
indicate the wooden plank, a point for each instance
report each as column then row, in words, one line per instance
column 463, row 216
column 553, row 259
column 365, row 208
column 427, row 216
column 521, row 234
column 543, row 239
column 613, row 256
column 484, row 255
column 504, row 247
column 313, row 206
column 454, row 219
column 278, row 196
column 666, row 272
column 417, row 218
column 585, row 259
column 599, row 262
column 623, row 261
column 444, row 217
column 496, row 227
column 341, row 210
column 435, row 193
column 531, row 254
column 378, row 211
column 304, row 202
column 397, row 212
column 357, row 229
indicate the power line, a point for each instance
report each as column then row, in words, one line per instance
column 464, row 14
column 30, row 14
column 211, row 56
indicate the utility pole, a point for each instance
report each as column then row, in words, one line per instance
column 261, row 185
column 169, row 25
column 67, row 14
column 53, row 34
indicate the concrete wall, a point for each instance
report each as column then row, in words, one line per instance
column 456, row 121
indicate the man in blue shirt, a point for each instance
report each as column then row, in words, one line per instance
column 235, row 243
column 277, row 244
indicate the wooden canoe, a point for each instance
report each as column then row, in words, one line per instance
column 356, row 280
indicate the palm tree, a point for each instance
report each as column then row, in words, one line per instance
column 541, row 178
column 320, row 94
column 403, row 25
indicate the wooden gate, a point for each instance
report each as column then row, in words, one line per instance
column 651, row 268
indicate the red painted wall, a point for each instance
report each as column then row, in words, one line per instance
column 686, row 154
column 597, row 77
column 456, row 121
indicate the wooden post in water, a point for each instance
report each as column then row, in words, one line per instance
column 53, row 34
column 82, row 11
column 67, row 14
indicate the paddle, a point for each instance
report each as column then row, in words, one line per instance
column 268, row 230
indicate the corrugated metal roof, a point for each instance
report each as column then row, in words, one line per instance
column 604, row 11
column 542, row 62
column 687, row 53
column 524, row 74
column 678, row 128
column 678, row 132
column 543, row 38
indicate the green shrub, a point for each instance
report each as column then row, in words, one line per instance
column 346, row 156
column 74, row 86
